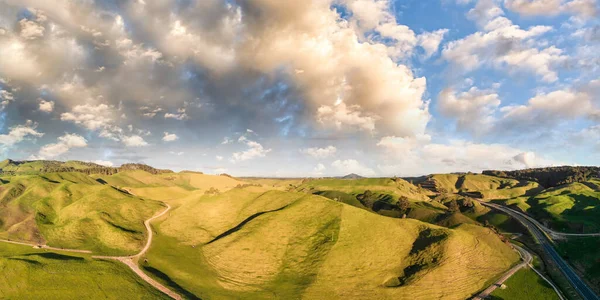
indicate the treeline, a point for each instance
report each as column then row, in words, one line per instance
column 551, row 176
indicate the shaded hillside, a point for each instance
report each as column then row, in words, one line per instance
column 551, row 177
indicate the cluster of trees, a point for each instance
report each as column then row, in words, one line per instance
column 379, row 202
column 83, row 167
column 551, row 176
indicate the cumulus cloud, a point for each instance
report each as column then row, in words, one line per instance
column 6, row 98
column 254, row 150
column 320, row 152
column 349, row 166
column 31, row 30
column 548, row 109
column 133, row 141
column 502, row 44
column 319, row 169
column 580, row 8
column 472, row 109
column 45, row 106
column 105, row 163
column 170, row 137
column 411, row 158
column 19, row 133
column 62, row 146
column 92, row 117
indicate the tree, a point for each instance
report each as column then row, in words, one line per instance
column 453, row 206
column 403, row 203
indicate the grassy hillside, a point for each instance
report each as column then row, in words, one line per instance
column 169, row 186
column 571, row 208
column 489, row 187
column 72, row 210
column 29, row 273
column 396, row 187
column 252, row 244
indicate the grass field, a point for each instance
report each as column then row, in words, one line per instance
column 251, row 244
column 525, row 285
column 29, row 273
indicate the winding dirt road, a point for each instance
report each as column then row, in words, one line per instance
column 131, row 261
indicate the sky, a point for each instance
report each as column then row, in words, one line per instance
column 302, row 88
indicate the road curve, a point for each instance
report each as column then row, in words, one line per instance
column 542, row 238
column 550, row 232
column 526, row 260
column 130, row 261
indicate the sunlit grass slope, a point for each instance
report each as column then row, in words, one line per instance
column 490, row 187
column 29, row 273
column 397, row 187
column 573, row 207
column 169, row 186
column 252, row 244
column 72, row 210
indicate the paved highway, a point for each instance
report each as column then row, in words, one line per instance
column 541, row 238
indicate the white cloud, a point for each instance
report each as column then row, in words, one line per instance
column 180, row 115
column 344, row 117
column 45, row 106
column 103, row 163
column 548, row 109
column 31, row 30
column 580, row 8
column 6, row 98
column 320, row 152
column 62, row 146
column 348, row 166
column 91, row 117
column 319, row 169
column 408, row 158
column 133, row 141
column 255, row 150
column 19, row 133
column 170, row 137
column 219, row 158
column 502, row 44
column 473, row 109
column 430, row 41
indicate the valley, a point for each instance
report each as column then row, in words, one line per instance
column 189, row 235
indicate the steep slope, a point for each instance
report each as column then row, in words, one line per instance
column 252, row 244
column 574, row 207
column 72, row 210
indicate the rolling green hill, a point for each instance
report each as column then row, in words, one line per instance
column 252, row 244
column 574, row 207
column 489, row 187
column 72, row 210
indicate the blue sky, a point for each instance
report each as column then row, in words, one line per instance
column 304, row 88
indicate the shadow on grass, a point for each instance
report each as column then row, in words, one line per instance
column 50, row 255
column 172, row 284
